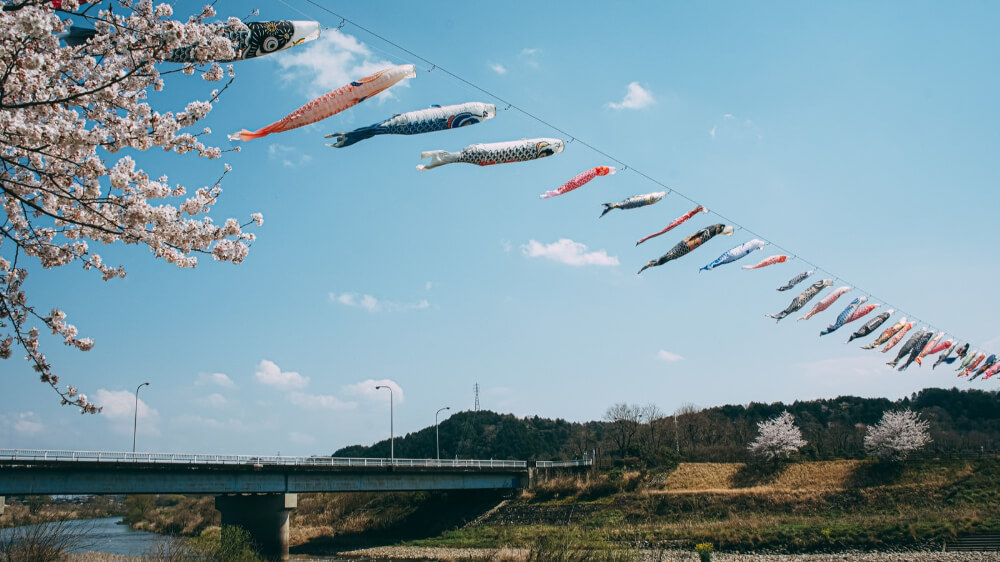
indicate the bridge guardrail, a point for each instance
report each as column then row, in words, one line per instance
column 185, row 458
column 564, row 464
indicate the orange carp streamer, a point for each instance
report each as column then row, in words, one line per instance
column 333, row 102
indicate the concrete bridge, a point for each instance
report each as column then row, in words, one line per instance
column 255, row 492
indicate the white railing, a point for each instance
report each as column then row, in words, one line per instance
column 182, row 458
column 564, row 464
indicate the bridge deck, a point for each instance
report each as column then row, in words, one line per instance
column 90, row 472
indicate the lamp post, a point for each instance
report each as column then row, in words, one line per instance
column 135, row 420
column 392, row 438
column 437, row 437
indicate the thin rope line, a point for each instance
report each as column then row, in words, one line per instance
column 625, row 167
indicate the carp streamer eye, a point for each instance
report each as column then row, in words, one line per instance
column 270, row 44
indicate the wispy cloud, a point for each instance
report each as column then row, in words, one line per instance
column 664, row 355
column 506, row 245
column 301, row 438
column 993, row 343
column 530, row 56
column 372, row 304
column 731, row 126
column 366, row 389
column 636, row 97
column 568, row 252
column 26, row 423
column 840, row 368
column 330, row 62
column 218, row 379
column 319, row 401
column 270, row 374
column 215, row 400
column 288, row 156
column 498, row 68
column 212, row 424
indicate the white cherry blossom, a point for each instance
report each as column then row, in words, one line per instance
column 65, row 114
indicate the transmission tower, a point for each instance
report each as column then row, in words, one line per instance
column 475, row 388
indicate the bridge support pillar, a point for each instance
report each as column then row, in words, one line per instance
column 264, row 516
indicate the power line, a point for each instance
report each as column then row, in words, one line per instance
column 670, row 190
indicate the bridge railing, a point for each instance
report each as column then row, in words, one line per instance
column 185, row 458
column 564, row 464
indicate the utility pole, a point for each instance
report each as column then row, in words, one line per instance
column 677, row 441
column 475, row 387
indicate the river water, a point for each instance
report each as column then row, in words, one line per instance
column 107, row 535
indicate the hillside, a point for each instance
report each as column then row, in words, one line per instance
column 962, row 422
column 797, row 507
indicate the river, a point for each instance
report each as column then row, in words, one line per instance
column 108, row 536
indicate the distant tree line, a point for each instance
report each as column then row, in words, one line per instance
column 960, row 422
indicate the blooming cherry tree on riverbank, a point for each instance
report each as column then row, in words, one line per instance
column 65, row 113
column 896, row 435
column 777, row 438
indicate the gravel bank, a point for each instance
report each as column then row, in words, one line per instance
column 516, row 554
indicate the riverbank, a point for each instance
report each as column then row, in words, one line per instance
column 31, row 510
column 803, row 507
column 520, row 555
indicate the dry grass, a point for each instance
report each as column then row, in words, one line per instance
column 700, row 477
column 802, row 478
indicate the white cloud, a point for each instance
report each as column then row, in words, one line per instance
column 332, row 61
column 568, row 252
column 498, row 68
column 366, row 389
column 319, row 401
column 119, row 408
column 506, row 245
column 712, row 132
column 26, row 423
column 218, row 379
column 118, row 404
column 270, row 374
column 372, row 304
column 665, row 355
column 636, row 97
column 288, row 156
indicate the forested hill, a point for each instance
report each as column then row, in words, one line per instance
column 961, row 422
column 485, row 435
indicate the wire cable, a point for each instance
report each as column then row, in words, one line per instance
column 432, row 66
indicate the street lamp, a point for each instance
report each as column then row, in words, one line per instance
column 135, row 420
column 437, row 437
column 392, row 446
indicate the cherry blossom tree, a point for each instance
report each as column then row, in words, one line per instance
column 777, row 437
column 896, row 435
column 72, row 122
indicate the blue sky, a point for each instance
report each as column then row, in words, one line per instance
column 861, row 137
